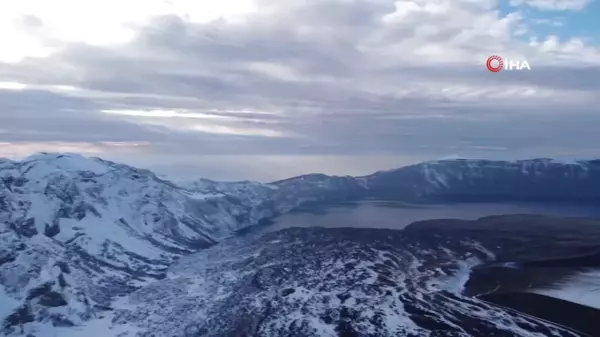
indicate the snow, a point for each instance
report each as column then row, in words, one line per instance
column 460, row 279
column 98, row 231
column 199, row 195
column 322, row 329
column 583, row 288
column 95, row 328
column 453, row 157
column 567, row 161
column 7, row 303
column 47, row 163
column 434, row 177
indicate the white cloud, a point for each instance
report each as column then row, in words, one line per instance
column 556, row 5
column 104, row 23
column 12, row 86
column 162, row 114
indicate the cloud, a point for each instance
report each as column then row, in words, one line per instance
column 288, row 78
column 554, row 5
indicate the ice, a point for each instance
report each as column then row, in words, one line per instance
column 583, row 288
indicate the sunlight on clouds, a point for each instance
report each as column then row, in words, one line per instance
column 12, row 86
column 213, row 128
column 36, row 28
column 18, row 150
column 210, row 114
column 226, row 130
column 176, row 120
column 163, row 114
column 51, row 88
column 20, row 44
column 126, row 144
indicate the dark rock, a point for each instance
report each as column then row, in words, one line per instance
column 19, row 317
column 7, row 256
column 51, row 230
column 93, row 210
column 63, row 212
column 25, row 228
column 78, row 212
column 40, row 290
column 61, row 281
column 345, row 329
column 287, row 291
column 61, row 321
column 52, row 299
column 20, row 181
column 64, row 267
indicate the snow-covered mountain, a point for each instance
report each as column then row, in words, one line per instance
column 486, row 180
column 358, row 282
column 76, row 233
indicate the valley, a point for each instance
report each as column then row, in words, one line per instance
column 90, row 247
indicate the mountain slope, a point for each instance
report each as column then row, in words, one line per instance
column 77, row 232
column 365, row 282
column 486, row 180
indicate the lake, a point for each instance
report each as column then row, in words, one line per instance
column 397, row 215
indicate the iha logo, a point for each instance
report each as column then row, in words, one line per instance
column 496, row 63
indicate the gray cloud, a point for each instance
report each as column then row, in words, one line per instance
column 362, row 78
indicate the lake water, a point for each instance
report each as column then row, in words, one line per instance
column 397, row 215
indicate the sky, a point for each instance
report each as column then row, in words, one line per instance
column 267, row 89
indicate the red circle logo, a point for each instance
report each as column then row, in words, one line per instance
column 491, row 67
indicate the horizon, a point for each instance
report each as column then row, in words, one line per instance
column 175, row 178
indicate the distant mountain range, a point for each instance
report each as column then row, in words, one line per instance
column 77, row 232
column 486, row 180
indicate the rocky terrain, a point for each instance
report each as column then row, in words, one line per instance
column 364, row 282
column 78, row 236
column 75, row 232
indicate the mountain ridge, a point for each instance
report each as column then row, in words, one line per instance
column 76, row 232
column 83, row 231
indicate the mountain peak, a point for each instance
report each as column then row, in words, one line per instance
column 67, row 162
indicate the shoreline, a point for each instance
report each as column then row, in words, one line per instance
column 578, row 318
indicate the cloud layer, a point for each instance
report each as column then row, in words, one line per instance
column 295, row 80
